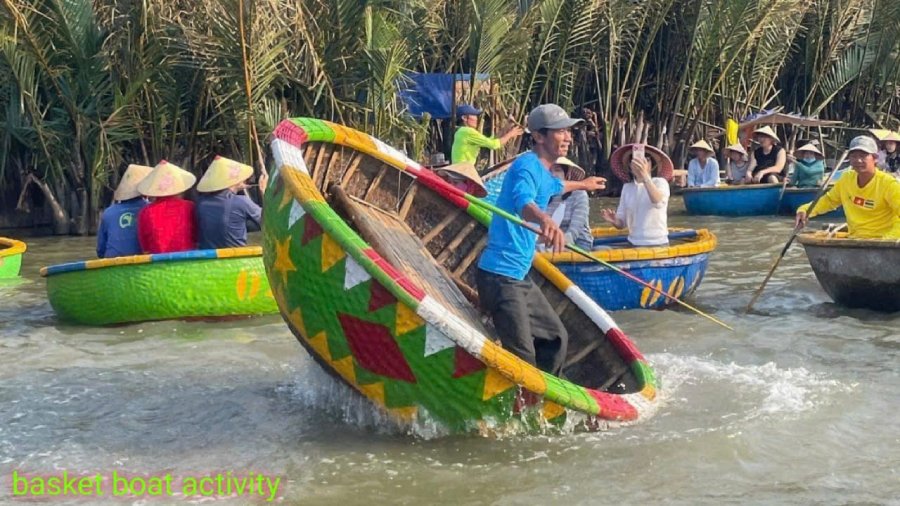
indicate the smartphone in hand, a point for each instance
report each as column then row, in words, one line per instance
column 637, row 152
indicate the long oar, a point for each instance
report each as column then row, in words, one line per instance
column 586, row 254
column 793, row 236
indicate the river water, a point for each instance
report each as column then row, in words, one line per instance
column 796, row 406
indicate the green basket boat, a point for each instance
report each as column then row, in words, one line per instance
column 372, row 260
column 203, row 284
column 11, row 252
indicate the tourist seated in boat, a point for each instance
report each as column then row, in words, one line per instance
column 167, row 224
column 527, row 324
column 809, row 167
column 117, row 235
column 737, row 164
column 223, row 210
column 889, row 156
column 643, row 206
column 703, row 169
column 870, row 197
column 468, row 139
column 571, row 210
column 463, row 176
column 769, row 160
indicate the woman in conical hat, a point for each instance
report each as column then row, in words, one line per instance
column 463, row 176
column 889, row 156
column 117, row 235
column 223, row 210
column 767, row 165
column 736, row 172
column 643, row 205
column 703, row 169
column 167, row 224
column 809, row 167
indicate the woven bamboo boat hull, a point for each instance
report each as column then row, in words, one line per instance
column 193, row 284
column 857, row 273
column 743, row 200
column 371, row 259
column 796, row 197
column 11, row 252
column 677, row 270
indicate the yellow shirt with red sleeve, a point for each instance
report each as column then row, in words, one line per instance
column 873, row 212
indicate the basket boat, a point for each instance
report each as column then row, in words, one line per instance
column 796, row 197
column 676, row 269
column 739, row 200
column 372, row 260
column 204, row 284
column 11, row 252
column 857, row 273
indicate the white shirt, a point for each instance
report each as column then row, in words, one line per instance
column 648, row 223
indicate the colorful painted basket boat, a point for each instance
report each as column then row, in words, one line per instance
column 858, row 273
column 742, row 200
column 193, row 284
column 796, row 197
column 676, row 269
column 11, row 252
column 372, row 260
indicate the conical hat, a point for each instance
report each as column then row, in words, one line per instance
column 223, row 173
column 127, row 188
column 621, row 158
column 811, row 148
column 165, row 180
column 767, row 130
column 702, row 144
column 737, row 148
column 573, row 171
column 467, row 170
column 879, row 133
column 891, row 136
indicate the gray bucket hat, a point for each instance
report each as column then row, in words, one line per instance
column 864, row 143
column 550, row 116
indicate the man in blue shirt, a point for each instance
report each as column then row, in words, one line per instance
column 526, row 323
column 222, row 214
column 117, row 235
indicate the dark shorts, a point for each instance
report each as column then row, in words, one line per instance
column 527, row 324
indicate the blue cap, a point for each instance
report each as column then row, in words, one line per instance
column 467, row 110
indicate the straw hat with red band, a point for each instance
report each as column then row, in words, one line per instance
column 573, row 171
column 165, row 180
column 127, row 188
column 621, row 159
column 223, row 173
column 467, row 171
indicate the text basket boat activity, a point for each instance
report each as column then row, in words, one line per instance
column 372, row 258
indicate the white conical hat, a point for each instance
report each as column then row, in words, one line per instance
column 466, row 170
column 702, row 144
column 767, row 130
column 737, row 148
column 811, row 148
column 223, row 173
column 891, row 136
column 165, row 180
column 133, row 175
column 574, row 172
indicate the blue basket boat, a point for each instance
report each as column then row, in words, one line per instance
column 796, row 197
column 676, row 269
column 742, row 200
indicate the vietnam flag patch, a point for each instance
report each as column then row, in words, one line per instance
column 868, row 204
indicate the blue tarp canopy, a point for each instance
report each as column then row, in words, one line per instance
column 432, row 93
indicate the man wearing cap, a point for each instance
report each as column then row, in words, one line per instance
column 468, row 140
column 527, row 324
column 118, row 236
column 769, row 159
column 222, row 211
column 166, row 225
column 870, row 197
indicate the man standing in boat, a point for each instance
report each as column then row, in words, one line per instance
column 527, row 324
column 871, row 199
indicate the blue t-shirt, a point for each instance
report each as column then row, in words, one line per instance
column 510, row 247
column 222, row 219
column 117, row 236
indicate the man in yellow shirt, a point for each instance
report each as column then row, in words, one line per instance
column 871, row 198
column 468, row 140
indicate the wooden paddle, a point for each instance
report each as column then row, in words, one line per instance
column 793, row 236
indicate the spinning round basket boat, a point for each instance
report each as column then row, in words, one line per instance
column 202, row 284
column 11, row 252
column 372, row 261
column 857, row 273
